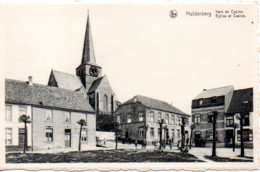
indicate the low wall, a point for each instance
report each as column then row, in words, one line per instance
column 105, row 135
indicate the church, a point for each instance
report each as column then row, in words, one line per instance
column 89, row 80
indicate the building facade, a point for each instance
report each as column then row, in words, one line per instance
column 54, row 113
column 223, row 100
column 138, row 120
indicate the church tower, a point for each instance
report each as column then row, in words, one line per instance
column 88, row 70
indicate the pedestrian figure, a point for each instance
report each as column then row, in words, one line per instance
column 144, row 144
column 135, row 144
column 170, row 144
column 104, row 141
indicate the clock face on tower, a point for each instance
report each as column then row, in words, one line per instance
column 93, row 71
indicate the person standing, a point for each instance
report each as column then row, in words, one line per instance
column 135, row 144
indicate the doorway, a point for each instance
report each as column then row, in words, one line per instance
column 229, row 138
column 21, row 137
column 197, row 139
column 67, row 138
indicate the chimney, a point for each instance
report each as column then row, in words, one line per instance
column 30, row 81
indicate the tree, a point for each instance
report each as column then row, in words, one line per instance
column 241, row 118
column 26, row 120
column 192, row 127
column 82, row 123
column 214, row 115
column 160, row 122
column 183, row 123
column 235, row 126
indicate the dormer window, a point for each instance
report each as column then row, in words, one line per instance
column 201, row 102
column 213, row 100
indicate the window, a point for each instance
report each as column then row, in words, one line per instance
column 178, row 133
column 129, row 119
column 8, row 136
column 247, row 134
column 201, row 102
column 229, row 121
column 8, row 113
column 210, row 118
column 49, row 135
column 197, row 119
column 152, row 116
column 173, row 119
column 246, row 120
column 118, row 119
column 67, row 117
column 213, row 100
column 209, row 135
column 167, row 119
column 141, row 116
column 173, row 133
column 84, row 135
column 22, row 110
column 49, row 116
column 159, row 116
column 105, row 103
column 152, row 132
column 178, row 120
column 141, row 132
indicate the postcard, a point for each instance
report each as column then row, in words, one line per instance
column 129, row 86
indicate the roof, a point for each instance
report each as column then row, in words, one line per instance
column 215, row 92
column 20, row 92
column 67, row 81
column 95, row 84
column 242, row 101
column 88, row 49
column 155, row 104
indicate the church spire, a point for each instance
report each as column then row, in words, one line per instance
column 88, row 49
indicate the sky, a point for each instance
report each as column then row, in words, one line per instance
column 141, row 49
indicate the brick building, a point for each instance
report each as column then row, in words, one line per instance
column 228, row 103
column 138, row 119
column 54, row 113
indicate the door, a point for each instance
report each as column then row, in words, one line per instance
column 67, row 138
column 197, row 139
column 21, row 137
column 229, row 138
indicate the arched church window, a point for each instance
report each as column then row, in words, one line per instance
column 105, row 103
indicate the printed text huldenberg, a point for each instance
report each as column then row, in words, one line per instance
column 196, row 13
